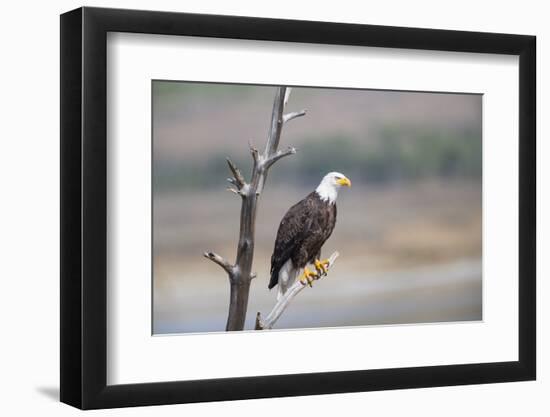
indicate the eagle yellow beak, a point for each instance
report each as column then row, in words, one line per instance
column 344, row 181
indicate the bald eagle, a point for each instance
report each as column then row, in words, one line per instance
column 302, row 232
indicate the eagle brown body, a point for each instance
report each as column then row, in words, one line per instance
column 302, row 232
column 304, row 229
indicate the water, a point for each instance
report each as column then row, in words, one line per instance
column 440, row 293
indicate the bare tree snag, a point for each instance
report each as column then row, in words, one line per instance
column 240, row 273
column 284, row 302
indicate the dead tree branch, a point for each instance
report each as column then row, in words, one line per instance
column 217, row 259
column 284, row 302
column 238, row 179
column 288, row 117
column 278, row 155
column 240, row 273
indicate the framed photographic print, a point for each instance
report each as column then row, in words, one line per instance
column 257, row 208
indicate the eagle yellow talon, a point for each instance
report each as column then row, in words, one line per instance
column 308, row 277
column 322, row 266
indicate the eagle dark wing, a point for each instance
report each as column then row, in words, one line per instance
column 292, row 230
column 323, row 220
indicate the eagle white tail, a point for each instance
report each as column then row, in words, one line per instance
column 287, row 276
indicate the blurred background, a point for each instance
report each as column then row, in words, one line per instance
column 408, row 231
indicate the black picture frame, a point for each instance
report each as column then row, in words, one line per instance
column 84, row 207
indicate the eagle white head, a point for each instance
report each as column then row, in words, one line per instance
column 330, row 184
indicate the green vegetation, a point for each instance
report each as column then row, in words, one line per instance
column 397, row 154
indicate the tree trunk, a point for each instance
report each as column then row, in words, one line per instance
column 240, row 273
column 238, row 303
